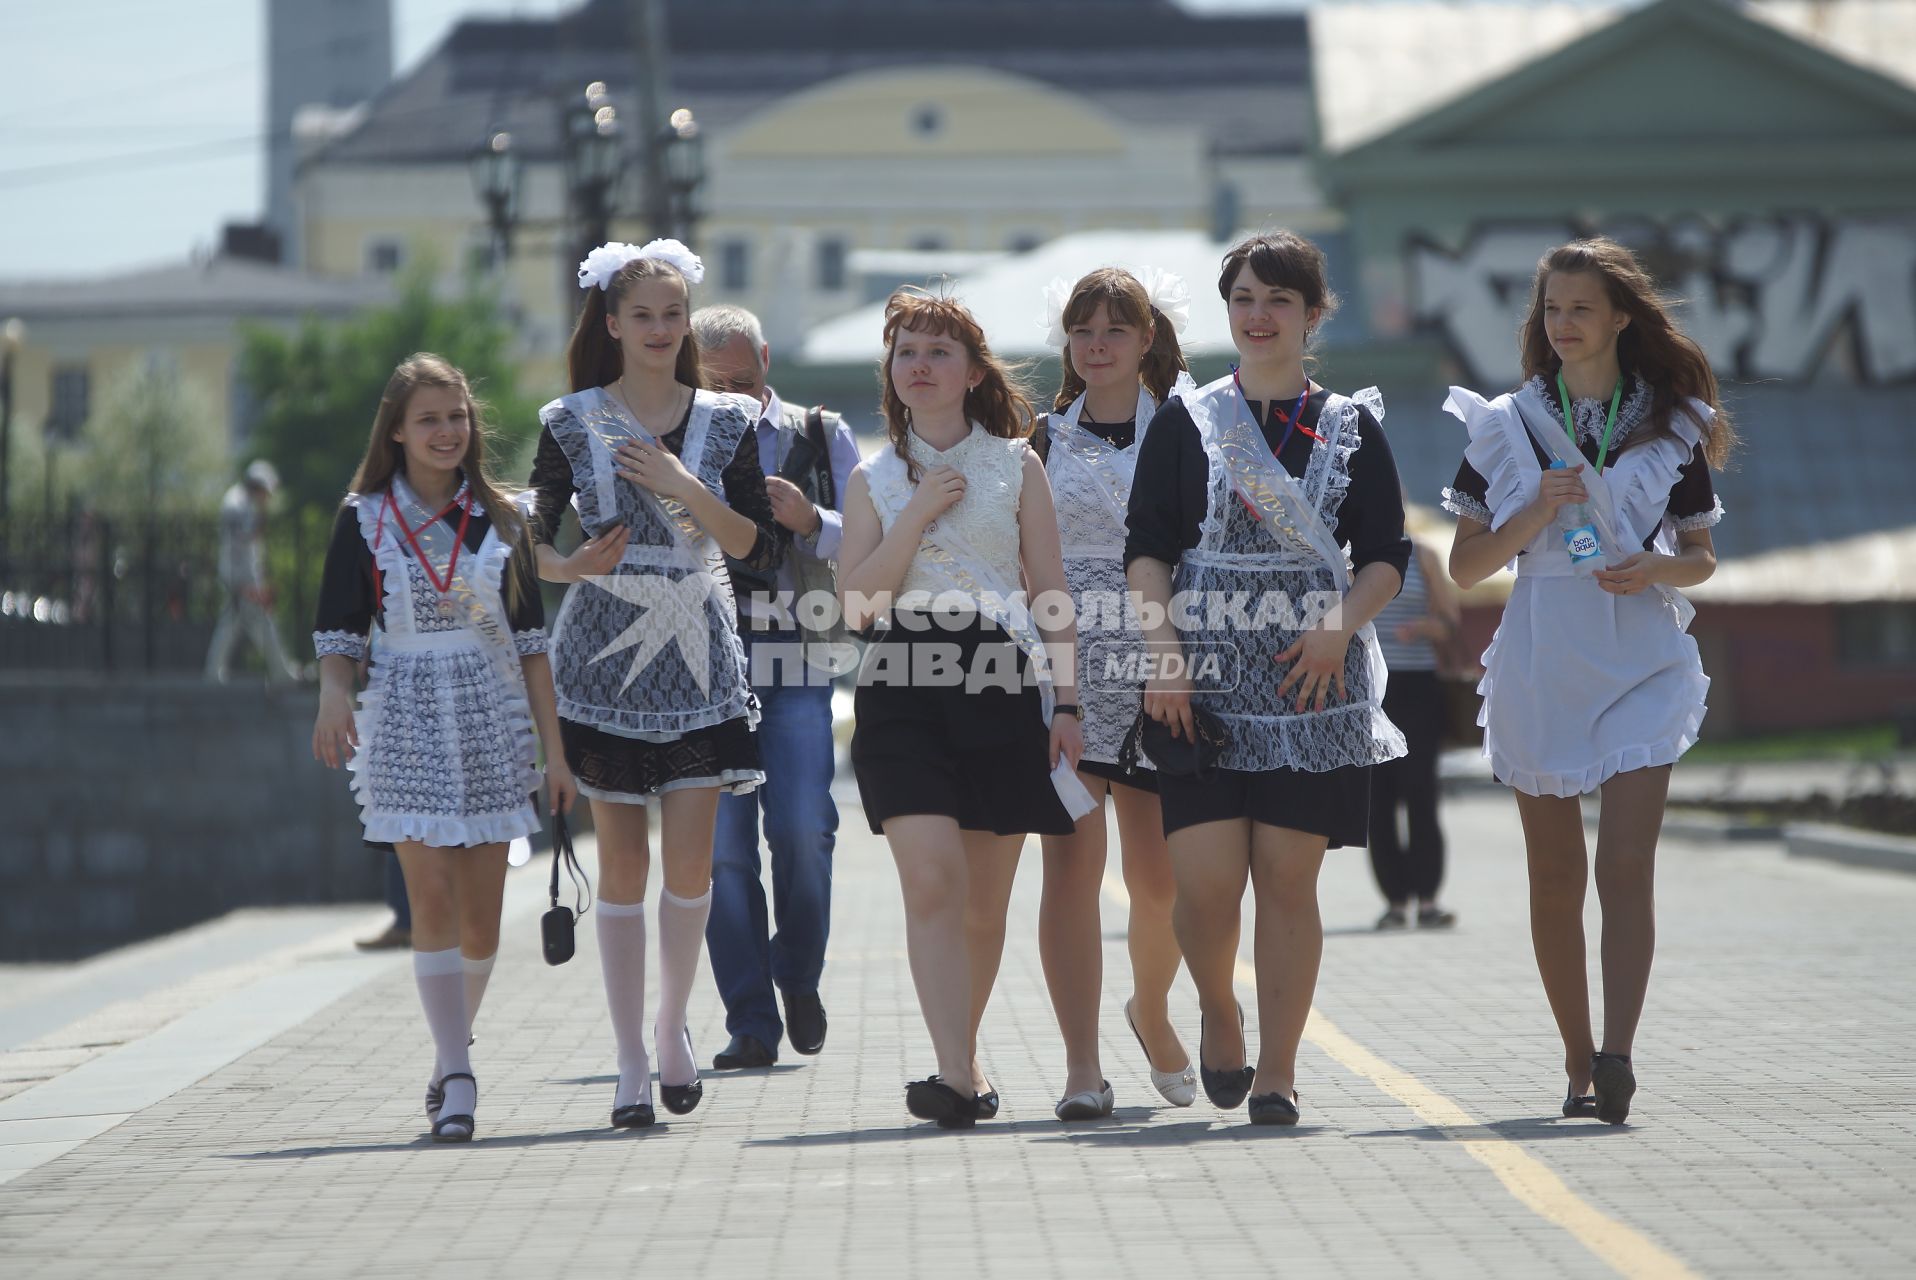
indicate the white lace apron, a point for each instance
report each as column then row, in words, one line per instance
column 652, row 649
column 447, row 752
column 1091, row 486
column 1265, row 542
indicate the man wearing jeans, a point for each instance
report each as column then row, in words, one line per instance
column 805, row 482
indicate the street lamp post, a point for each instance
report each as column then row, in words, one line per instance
column 497, row 179
column 684, row 169
column 12, row 333
column 593, row 163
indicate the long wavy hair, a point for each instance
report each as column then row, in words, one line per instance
column 1124, row 298
column 385, row 456
column 1651, row 347
column 593, row 357
column 999, row 402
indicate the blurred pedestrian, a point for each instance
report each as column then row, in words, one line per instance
column 1411, row 629
column 248, row 608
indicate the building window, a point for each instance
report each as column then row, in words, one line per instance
column 69, row 403
column 1876, row 635
column 930, row 242
column 383, row 257
column 928, row 121
column 831, row 264
column 735, row 266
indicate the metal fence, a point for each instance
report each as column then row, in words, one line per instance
column 86, row 591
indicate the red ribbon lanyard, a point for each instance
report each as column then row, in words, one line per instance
column 464, row 504
column 1295, row 422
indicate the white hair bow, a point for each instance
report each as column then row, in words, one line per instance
column 609, row 259
column 1167, row 293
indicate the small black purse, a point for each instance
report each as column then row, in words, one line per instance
column 1175, row 756
column 556, row 925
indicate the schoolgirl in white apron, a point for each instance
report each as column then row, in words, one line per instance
column 1118, row 341
column 1592, row 681
column 441, row 748
column 1270, row 507
column 654, row 703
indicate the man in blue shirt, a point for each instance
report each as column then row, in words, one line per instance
column 808, row 456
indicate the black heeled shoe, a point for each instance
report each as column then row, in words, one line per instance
column 988, row 1103
column 683, row 1099
column 933, row 1099
column 1226, row 1089
column 1613, row 1083
column 1578, row 1105
column 454, row 1128
column 1274, row 1108
column 637, row 1115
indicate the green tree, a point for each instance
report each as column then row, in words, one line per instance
column 150, row 447
column 316, row 390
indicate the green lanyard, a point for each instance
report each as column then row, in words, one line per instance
column 1570, row 425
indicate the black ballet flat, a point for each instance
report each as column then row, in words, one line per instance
column 933, row 1099
column 1578, row 1105
column 1274, row 1108
column 453, row 1128
column 635, row 1116
column 1226, row 1089
column 988, row 1104
column 1613, row 1083
column 683, row 1099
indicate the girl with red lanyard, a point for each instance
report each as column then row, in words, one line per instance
column 441, row 747
column 1592, row 681
column 1265, row 489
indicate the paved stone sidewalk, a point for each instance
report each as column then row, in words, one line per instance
column 1773, row 1133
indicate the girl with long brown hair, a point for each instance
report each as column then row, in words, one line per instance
column 955, row 770
column 1121, row 360
column 1594, row 478
column 654, row 703
column 441, row 747
column 1266, row 489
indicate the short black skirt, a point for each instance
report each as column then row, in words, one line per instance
column 1143, row 779
column 981, row 757
column 632, row 770
column 1334, row 804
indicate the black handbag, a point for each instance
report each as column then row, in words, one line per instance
column 556, row 925
column 1176, row 756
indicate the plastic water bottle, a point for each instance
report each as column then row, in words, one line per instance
column 1579, row 527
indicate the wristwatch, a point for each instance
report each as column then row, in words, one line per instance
column 1070, row 707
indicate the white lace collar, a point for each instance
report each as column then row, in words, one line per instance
column 925, row 456
column 1592, row 414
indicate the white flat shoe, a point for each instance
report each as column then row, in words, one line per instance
column 1092, row 1104
column 1179, row 1088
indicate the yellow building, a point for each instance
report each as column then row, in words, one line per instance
column 78, row 336
column 830, row 143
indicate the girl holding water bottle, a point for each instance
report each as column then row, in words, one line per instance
column 1594, row 478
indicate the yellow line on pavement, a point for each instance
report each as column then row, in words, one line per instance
column 1624, row 1248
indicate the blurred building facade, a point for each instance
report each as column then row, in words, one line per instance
column 1761, row 157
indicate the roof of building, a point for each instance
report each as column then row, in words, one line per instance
column 1007, row 295
column 213, row 286
column 1242, row 79
column 1410, row 58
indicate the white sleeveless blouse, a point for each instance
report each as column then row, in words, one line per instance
column 986, row 518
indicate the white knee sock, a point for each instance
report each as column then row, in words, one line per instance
column 622, row 959
column 440, row 976
column 478, row 973
column 681, row 935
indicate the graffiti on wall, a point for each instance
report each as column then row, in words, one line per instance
column 1776, row 298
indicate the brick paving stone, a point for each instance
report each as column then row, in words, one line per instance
column 1771, row 1135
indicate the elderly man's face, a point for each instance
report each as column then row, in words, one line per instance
column 736, row 367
